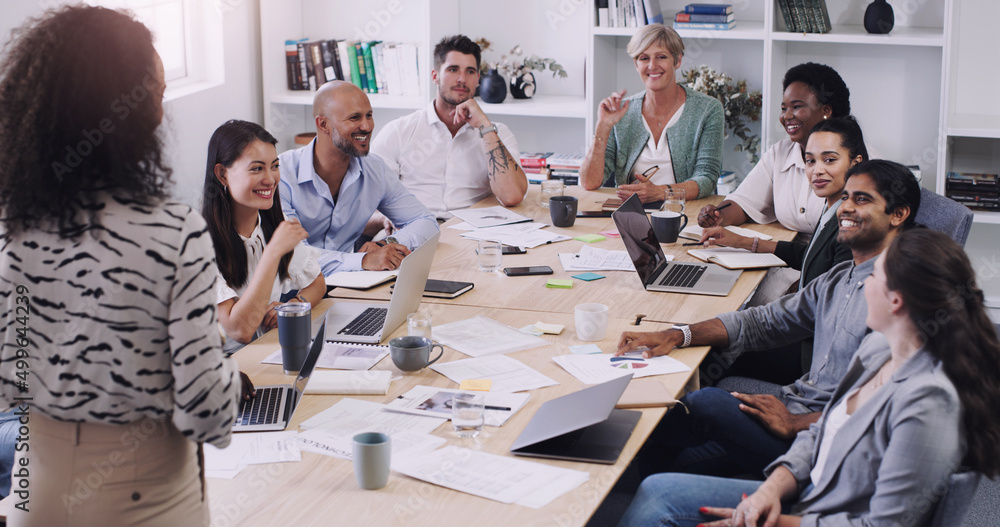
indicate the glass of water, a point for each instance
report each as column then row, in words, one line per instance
column 551, row 187
column 489, row 254
column 467, row 413
column 674, row 201
column 418, row 324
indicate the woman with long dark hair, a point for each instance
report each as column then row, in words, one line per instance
column 109, row 342
column 917, row 403
column 259, row 254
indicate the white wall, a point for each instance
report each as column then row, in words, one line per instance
column 189, row 121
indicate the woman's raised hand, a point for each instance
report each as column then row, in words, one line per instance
column 612, row 109
column 288, row 234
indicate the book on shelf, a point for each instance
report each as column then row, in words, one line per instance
column 359, row 54
column 708, row 9
column 705, row 25
column 603, row 17
column 366, row 48
column 786, row 15
column 316, row 56
column 292, row 65
column 564, row 161
column 537, row 159
column 972, row 180
column 654, row 15
column 352, row 57
column 331, row 66
column 820, row 15
column 732, row 258
column 681, row 16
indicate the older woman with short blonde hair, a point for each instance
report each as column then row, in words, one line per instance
column 668, row 137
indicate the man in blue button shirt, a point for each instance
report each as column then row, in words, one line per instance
column 717, row 431
column 332, row 186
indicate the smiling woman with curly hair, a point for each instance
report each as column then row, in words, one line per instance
column 109, row 286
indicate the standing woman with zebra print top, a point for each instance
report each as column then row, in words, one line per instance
column 260, row 255
column 109, row 341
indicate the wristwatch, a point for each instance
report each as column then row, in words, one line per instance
column 391, row 239
column 483, row 130
column 686, row 330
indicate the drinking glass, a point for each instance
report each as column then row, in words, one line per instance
column 490, row 255
column 418, row 324
column 674, row 201
column 467, row 413
column 551, row 187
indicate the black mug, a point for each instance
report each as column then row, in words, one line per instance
column 667, row 225
column 563, row 210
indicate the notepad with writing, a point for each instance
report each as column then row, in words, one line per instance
column 731, row 258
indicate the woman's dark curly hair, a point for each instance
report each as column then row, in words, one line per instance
column 825, row 83
column 81, row 102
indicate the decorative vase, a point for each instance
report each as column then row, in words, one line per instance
column 879, row 18
column 493, row 87
column 523, row 86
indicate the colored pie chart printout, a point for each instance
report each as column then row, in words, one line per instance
column 594, row 369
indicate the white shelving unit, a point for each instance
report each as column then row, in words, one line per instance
column 556, row 116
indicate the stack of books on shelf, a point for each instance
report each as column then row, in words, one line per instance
column 976, row 191
column 628, row 13
column 548, row 165
column 376, row 67
column 805, row 16
column 705, row 16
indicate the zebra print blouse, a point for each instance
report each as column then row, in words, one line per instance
column 118, row 323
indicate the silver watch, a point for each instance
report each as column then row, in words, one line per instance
column 483, row 130
column 391, row 239
column 686, row 330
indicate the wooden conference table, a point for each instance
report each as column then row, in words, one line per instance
column 622, row 292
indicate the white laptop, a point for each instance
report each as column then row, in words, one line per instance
column 658, row 274
column 272, row 406
column 368, row 323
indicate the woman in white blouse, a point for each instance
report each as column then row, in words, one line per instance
column 259, row 254
column 778, row 189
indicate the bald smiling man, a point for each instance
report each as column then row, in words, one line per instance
column 332, row 186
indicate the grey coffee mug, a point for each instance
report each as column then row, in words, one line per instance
column 412, row 353
column 667, row 225
column 563, row 210
column 372, row 454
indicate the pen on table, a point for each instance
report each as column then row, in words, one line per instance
column 692, row 243
column 501, row 408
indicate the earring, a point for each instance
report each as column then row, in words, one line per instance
column 824, row 117
column 225, row 190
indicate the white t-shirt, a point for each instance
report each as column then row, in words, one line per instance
column 443, row 172
column 302, row 271
column 778, row 189
column 834, row 422
column 658, row 153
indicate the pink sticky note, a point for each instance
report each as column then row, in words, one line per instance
column 612, row 233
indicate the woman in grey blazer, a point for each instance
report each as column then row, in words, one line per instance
column 914, row 406
column 668, row 137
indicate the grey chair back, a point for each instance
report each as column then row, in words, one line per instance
column 954, row 505
column 944, row 214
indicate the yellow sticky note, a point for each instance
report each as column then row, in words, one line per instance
column 559, row 283
column 551, row 329
column 479, row 385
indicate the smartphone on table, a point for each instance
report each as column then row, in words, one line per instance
column 527, row 271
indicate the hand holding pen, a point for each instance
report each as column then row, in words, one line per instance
column 710, row 215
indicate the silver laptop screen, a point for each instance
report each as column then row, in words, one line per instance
column 641, row 243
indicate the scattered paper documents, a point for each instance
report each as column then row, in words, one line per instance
column 250, row 449
column 489, row 216
column 507, row 374
column 436, row 402
column 593, row 259
column 338, row 356
column 595, row 369
column 518, row 235
column 404, row 443
column 480, row 335
column 499, row 478
column 350, row 415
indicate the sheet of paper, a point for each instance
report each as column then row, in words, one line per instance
column 693, row 232
column 500, row 478
column 555, row 488
column 490, row 216
column 251, row 448
column 480, row 335
column 507, row 374
column 359, row 279
column 594, row 369
column 404, row 443
column 529, row 239
column 368, row 382
column 338, row 356
column 436, row 402
column 351, row 415
column 594, row 259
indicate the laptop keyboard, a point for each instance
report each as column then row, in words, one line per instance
column 683, row 275
column 262, row 409
column 368, row 323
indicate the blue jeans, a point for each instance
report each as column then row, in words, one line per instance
column 674, row 499
column 714, row 436
column 8, row 435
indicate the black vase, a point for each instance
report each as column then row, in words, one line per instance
column 523, row 86
column 493, row 87
column 879, row 18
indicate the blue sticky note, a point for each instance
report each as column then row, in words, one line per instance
column 588, row 276
column 585, row 349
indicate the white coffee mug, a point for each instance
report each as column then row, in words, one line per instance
column 591, row 321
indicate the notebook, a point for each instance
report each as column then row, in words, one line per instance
column 273, row 406
column 733, row 258
column 581, row 426
column 367, row 322
column 444, row 288
column 655, row 272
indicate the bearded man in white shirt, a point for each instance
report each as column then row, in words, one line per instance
column 449, row 154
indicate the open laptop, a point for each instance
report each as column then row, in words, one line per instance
column 581, row 426
column 658, row 274
column 272, row 406
column 367, row 323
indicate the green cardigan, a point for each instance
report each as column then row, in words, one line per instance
column 695, row 142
